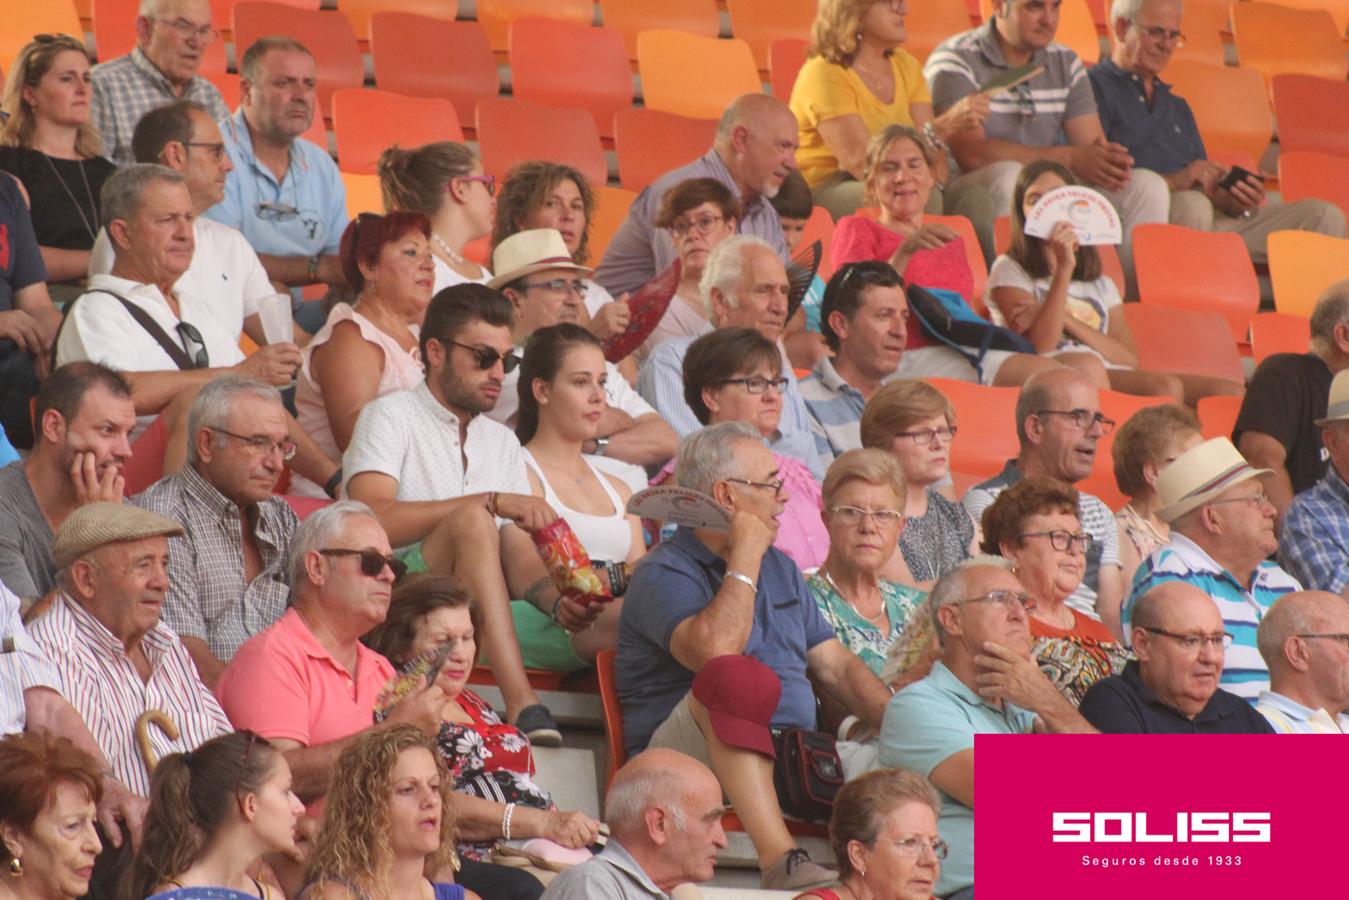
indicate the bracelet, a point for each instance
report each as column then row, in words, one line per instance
column 492, row 503
column 556, row 604
column 930, row 132
column 314, row 266
column 506, row 821
column 743, row 578
column 333, row 484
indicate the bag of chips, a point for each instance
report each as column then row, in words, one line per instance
column 569, row 565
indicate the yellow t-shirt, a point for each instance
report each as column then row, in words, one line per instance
column 826, row 91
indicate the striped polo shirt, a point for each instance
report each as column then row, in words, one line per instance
column 835, row 409
column 1244, row 671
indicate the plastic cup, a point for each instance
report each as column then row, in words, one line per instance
column 277, row 325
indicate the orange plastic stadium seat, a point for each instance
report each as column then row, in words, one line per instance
column 928, row 24
column 1204, row 24
column 611, row 209
column 115, row 27
column 785, row 59
column 222, row 13
column 635, row 16
column 1181, row 268
column 651, row 143
column 1305, row 174
column 565, row 64
column 1338, row 9
column 423, row 57
column 366, row 122
column 361, row 13
column 24, row 18
column 986, row 417
column 1276, row 332
column 1313, row 114
column 1302, row 264
column 1231, row 106
column 363, row 194
column 228, row 85
column 974, row 255
column 513, row 131
column 1276, row 40
column 694, row 76
column 1218, row 416
column 1207, row 347
column 495, row 16
column 820, row 227
column 760, row 22
column 1077, row 30
column 328, row 36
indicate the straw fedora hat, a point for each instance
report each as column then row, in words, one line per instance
column 527, row 252
column 1200, row 474
column 1337, row 409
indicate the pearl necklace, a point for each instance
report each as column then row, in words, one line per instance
column 446, row 249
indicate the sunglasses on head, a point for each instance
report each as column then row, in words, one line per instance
column 372, row 561
column 488, row 357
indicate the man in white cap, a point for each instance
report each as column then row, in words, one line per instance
column 1305, row 642
column 536, row 274
column 1314, row 542
column 1222, row 533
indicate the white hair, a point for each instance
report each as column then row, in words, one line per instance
column 628, row 800
column 211, row 408
column 316, row 532
column 708, row 456
column 1129, row 10
column 724, row 265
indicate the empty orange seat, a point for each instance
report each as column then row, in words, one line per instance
column 363, row 194
column 361, row 13
column 1276, row 332
column 635, row 16
column 1181, row 268
column 1338, row 9
column 565, row 64
column 928, row 24
column 611, row 209
column 495, row 16
column 24, row 18
column 694, row 76
column 1313, row 114
column 1302, row 264
column 1218, row 416
column 1206, row 348
column 222, row 13
column 1275, row 40
column 514, row 131
column 423, row 57
column 760, row 22
column 1204, row 24
column 650, row 143
column 1231, row 106
column 327, row 35
column 986, row 417
column 366, row 122
column 785, row 59
column 1306, row 173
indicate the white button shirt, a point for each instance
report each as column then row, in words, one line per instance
column 23, row 665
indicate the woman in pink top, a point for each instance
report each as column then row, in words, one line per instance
column 735, row 375
column 368, row 349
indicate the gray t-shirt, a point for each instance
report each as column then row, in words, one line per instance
column 26, row 565
column 612, row 875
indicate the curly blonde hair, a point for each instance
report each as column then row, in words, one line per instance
column 353, row 844
column 32, row 63
column 833, row 34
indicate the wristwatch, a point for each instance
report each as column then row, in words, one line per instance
column 314, row 267
column 601, row 446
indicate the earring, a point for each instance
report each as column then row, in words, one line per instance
column 862, row 871
column 15, row 868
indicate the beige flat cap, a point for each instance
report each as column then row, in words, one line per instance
column 96, row 524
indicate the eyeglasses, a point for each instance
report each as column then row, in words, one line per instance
column 217, row 151
column 703, row 225
column 206, row 34
column 1061, row 540
column 1260, row 499
column 925, row 437
column 852, row 515
column 488, row 357
column 1160, row 34
column 260, row 445
column 757, row 384
column 188, row 332
column 913, row 846
column 488, row 181
column 1342, row 638
column 277, row 212
column 774, row 486
column 559, row 285
column 373, row 562
column 1008, row 600
column 1191, row 643
column 1082, row 418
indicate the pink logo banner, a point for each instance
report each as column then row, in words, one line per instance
column 1159, row 816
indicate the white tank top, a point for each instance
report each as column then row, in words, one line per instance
column 604, row 537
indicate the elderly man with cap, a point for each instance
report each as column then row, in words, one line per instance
column 719, row 640
column 985, row 681
column 536, row 274
column 1172, row 688
column 1304, row 639
column 1314, row 540
column 664, row 812
column 1222, row 533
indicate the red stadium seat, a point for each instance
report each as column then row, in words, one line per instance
column 928, row 24
column 1276, row 332
column 565, row 64
column 1274, row 40
column 1181, row 268
column 222, row 14
column 361, row 13
column 366, row 122
column 986, row 417
column 328, row 36
column 1305, row 174
column 1231, row 106
column 1101, row 481
column 820, row 227
column 423, row 57
column 496, row 16
column 1313, row 114
column 1218, row 416
column 650, row 143
column 513, row 131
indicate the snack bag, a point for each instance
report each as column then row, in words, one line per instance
column 416, row 675
column 569, row 565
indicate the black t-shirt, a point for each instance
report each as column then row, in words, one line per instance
column 1123, row 704
column 1288, row 392
column 56, row 219
column 20, row 260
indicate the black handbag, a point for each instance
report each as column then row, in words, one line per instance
column 807, row 773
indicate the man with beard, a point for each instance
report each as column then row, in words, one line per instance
column 84, row 418
column 442, row 477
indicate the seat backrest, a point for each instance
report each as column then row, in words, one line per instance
column 24, row 18
column 1208, row 348
column 1274, row 40
column 1276, row 332
column 363, row 194
column 928, row 24
column 513, row 131
column 146, row 463
column 566, row 64
column 1181, row 268
column 1077, row 31
column 1302, row 264
column 115, row 27
column 695, row 76
column 222, row 14
column 1101, row 481
column 1204, row 24
column 366, row 122
column 986, row 417
column 613, row 714
column 1218, row 415
column 760, row 22
column 611, row 209
column 650, row 143
column 974, row 255
column 422, row 57
column 820, row 227
column 1231, row 106
column 635, row 16
column 327, row 34
column 1305, row 173
column 1338, row 9
column 786, row 56
column 361, row 12
column 1313, row 114
column 496, row 16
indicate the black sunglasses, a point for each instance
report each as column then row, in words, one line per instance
column 488, row 357
column 373, row 562
column 201, row 359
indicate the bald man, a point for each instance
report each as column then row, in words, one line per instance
column 1172, row 688
column 754, row 149
column 664, row 811
column 1304, row 639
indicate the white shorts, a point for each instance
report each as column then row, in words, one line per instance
column 942, row 362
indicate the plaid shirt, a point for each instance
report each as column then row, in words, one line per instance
column 1314, row 542
column 130, row 86
column 208, row 597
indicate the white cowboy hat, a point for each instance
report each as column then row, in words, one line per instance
column 1337, row 409
column 527, row 252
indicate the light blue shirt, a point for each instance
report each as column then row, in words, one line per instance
column 312, row 186
column 926, row 724
column 7, row 452
column 1290, row 717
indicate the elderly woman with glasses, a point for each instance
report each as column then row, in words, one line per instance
column 1034, row 523
column 735, row 375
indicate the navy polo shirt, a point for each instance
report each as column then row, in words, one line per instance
column 1162, row 136
column 1123, row 704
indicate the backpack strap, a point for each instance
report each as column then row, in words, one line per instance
column 143, row 319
